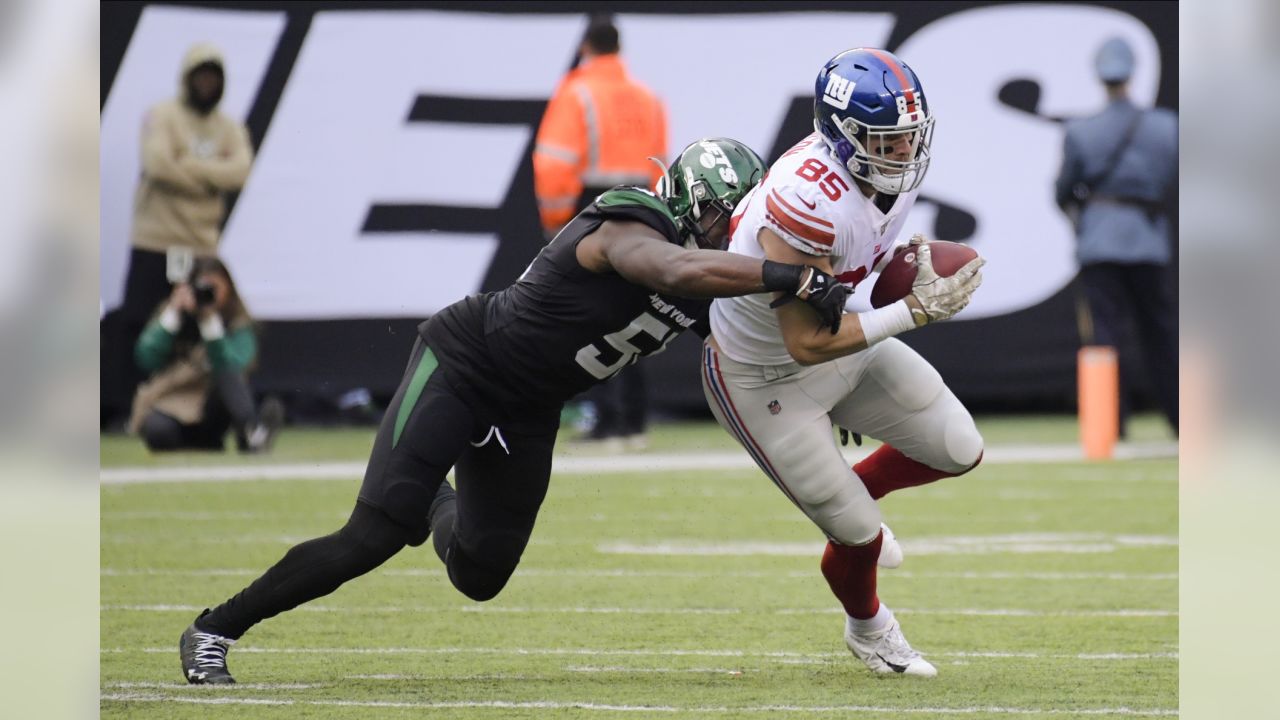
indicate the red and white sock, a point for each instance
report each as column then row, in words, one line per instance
column 883, row 617
column 887, row 469
column 850, row 571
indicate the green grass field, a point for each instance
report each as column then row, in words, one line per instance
column 1038, row 589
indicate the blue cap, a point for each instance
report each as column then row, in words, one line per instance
column 1114, row 61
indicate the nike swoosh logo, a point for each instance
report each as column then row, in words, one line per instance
column 893, row 667
column 811, row 206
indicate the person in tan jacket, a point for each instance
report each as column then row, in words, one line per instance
column 192, row 156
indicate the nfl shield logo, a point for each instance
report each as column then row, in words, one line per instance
column 775, row 407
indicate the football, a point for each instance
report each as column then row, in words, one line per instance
column 895, row 280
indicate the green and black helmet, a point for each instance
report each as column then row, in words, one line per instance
column 709, row 176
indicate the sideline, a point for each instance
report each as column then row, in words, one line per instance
column 590, row 465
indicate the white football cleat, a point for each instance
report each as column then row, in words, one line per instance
column 890, row 550
column 886, row 651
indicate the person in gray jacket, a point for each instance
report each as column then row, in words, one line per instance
column 1118, row 168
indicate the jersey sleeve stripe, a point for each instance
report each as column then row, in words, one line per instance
column 798, row 229
column 796, row 212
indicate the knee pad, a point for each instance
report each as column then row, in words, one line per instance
column 374, row 532
column 408, row 503
column 481, row 573
column 963, row 442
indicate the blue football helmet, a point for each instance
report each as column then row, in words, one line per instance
column 869, row 107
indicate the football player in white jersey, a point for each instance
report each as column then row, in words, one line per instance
column 778, row 381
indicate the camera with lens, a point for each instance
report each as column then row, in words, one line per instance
column 204, row 293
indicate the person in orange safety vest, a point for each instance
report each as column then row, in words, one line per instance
column 599, row 130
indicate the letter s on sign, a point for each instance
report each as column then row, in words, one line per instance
column 1006, row 181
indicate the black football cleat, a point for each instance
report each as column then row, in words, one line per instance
column 204, row 657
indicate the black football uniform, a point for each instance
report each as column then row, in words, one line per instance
column 561, row 328
column 487, row 380
column 482, row 395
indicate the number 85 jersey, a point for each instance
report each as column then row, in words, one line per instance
column 811, row 201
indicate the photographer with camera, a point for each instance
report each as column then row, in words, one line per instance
column 198, row 350
column 192, row 155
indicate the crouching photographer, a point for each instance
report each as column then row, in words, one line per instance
column 198, row 350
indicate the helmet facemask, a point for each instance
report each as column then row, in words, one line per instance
column 865, row 152
column 702, row 187
column 706, row 211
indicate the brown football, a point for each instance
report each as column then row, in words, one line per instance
column 895, row 280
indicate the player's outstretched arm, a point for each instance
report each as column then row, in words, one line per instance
column 642, row 256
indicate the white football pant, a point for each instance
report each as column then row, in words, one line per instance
column 783, row 416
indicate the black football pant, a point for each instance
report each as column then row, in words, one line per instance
column 1141, row 294
column 146, row 286
column 228, row 404
column 501, row 474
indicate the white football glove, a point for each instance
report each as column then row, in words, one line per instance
column 940, row 297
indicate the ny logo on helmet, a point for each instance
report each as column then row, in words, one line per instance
column 838, row 91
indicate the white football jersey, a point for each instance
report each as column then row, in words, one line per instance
column 811, row 201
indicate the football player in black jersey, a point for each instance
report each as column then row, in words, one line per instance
column 486, row 380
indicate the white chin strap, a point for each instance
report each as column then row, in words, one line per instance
column 903, row 182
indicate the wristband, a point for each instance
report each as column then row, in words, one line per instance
column 211, row 327
column 808, row 282
column 781, row 277
column 886, row 322
column 171, row 320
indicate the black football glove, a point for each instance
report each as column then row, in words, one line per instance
column 826, row 296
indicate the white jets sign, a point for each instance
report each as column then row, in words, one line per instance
column 340, row 140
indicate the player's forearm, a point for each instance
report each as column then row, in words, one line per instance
column 713, row 273
column 810, row 344
column 820, row 345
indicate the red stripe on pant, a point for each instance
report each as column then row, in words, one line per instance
column 887, row 469
column 748, row 440
column 850, row 570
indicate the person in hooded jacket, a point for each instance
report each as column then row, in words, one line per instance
column 193, row 154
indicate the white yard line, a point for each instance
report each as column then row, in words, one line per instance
column 238, row 686
column 515, row 610
column 632, row 670
column 1011, row 544
column 781, row 656
column 573, row 705
column 551, row 573
column 570, row 465
column 1015, row 544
